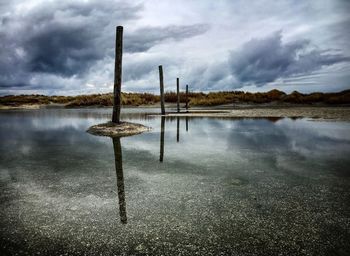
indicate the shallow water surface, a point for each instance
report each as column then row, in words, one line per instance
column 191, row 185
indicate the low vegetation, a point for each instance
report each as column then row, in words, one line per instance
column 194, row 98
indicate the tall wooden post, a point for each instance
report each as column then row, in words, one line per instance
column 117, row 74
column 161, row 90
column 120, row 178
column 186, row 97
column 178, row 94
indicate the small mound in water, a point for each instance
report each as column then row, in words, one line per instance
column 117, row 130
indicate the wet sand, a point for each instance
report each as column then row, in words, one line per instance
column 332, row 113
column 322, row 113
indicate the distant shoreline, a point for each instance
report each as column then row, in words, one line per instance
column 194, row 99
column 330, row 113
column 273, row 104
column 273, row 112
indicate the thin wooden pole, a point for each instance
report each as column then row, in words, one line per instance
column 186, row 97
column 178, row 94
column 117, row 74
column 161, row 82
column 120, row 178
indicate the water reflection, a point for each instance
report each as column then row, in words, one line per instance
column 81, row 113
column 186, row 123
column 120, row 179
column 162, row 130
column 178, row 129
column 203, row 189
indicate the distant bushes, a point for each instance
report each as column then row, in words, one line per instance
column 137, row 99
column 91, row 100
column 130, row 99
column 318, row 97
column 18, row 100
column 194, row 98
column 219, row 98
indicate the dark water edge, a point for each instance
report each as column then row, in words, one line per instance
column 202, row 186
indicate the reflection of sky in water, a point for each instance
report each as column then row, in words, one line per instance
column 61, row 179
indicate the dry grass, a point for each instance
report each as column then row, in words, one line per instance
column 194, row 98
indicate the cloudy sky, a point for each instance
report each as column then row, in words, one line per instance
column 67, row 47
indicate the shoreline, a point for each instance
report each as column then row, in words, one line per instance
column 321, row 112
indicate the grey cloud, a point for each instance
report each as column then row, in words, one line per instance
column 261, row 61
column 213, row 76
column 135, row 69
column 60, row 38
column 67, row 39
column 146, row 37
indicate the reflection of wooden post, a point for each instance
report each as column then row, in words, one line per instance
column 117, row 74
column 186, row 123
column 186, row 97
column 178, row 129
column 178, row 94
column 120, row 179
column 161, row 89
column 162, row 128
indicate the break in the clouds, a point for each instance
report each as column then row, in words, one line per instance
column 67, row 47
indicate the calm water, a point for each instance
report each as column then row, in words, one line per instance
column 205, row 186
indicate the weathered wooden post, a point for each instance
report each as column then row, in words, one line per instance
column 186, row 97
column 120, row 178
column 117, row 75
column 162, row 128
column 178, row 129
column 178, row 94
column 161, row 90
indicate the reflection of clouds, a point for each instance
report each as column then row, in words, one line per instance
column 317, row 139
column 201, row 144
column 53, row 123
column 332, row 130
column 215, row 142
column 304, row 137
column 25, row 149
column 208, row 142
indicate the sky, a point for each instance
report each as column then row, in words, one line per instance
column 67, row 47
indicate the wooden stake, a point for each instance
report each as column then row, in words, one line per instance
column 117, row 74
column 186, row 97
column 161, row 82
column 178, row 94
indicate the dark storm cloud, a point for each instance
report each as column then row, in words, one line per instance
column 260, row 61
column 146, row 37
column 58, row 38
column 66, row 39
column 62, row 50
